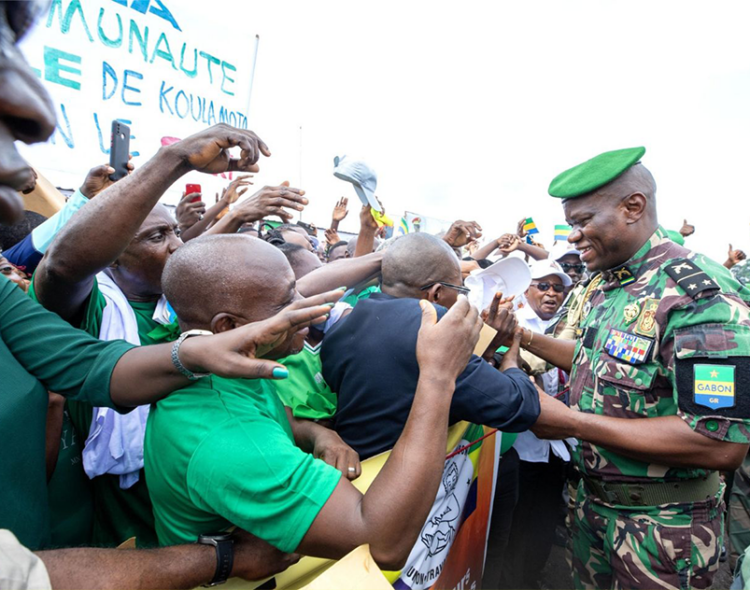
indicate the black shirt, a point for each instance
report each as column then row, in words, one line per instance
column 369, row 359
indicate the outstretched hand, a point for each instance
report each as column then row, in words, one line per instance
column 686, row 229
column 735, row 256
column 239, row 353
column 499, row 316
column 272, row 200
column 340, row 210
column 98, row 179
column 208, row 150
column 462, row 232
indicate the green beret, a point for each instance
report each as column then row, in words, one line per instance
column 594, row 173
column 676, row 237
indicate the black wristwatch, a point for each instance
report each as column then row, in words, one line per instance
column 224, row 556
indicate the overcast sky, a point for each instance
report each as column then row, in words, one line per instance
column 468, row 110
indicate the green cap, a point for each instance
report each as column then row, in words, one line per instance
column 594, row 173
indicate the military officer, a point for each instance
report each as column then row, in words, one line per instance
column 660, row 386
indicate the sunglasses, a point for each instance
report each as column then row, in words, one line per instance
column 548, row 286
column 461, row 290
column 573, row 266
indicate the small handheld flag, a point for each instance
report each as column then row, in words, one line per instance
column 562, row 232
column 530, row 227
column 403, row 227
column 381, row 218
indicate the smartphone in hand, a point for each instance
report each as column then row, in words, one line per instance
column 119, row 150
column 193, row 188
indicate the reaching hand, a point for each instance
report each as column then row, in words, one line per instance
column 445, row 347
column 520, row 232
column 332, row 237
column 189, row 213
column 499, row 315
column 512, row 357
column 208, row 150
column 462, row 232
column 333, row 450
column 687, row 229
column 366, row 220
column 231, row 194
column 507, row 243
column 98, row 179
column 340, row 210
column 255, row 559
column 237, row 353
column 272, row 200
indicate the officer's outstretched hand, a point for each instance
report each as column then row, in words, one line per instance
column 556, row 420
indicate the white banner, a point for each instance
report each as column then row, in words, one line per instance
column 166, row 68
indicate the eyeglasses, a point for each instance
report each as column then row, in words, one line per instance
column 548, row 286
column 461, row 290
column 573, row 266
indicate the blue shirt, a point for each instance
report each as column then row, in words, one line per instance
column 369, row 358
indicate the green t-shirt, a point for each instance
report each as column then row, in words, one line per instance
column 118, row 514
column 305, row 391
column 221, row 453
column 40, row 352
column 71, row 502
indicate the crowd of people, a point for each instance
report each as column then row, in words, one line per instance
column 208, row 382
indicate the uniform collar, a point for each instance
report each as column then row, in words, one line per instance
column 637, row 265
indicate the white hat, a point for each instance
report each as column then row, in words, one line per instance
column 363, row 178
column 546, row 268
column 563, row 253
column 511, row 276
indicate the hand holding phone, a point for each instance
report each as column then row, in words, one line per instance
column 193, row 188
column 119, row 150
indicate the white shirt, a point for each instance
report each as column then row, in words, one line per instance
column 529, row 447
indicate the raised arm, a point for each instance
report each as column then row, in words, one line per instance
column 391, row 514
column 268, row 201
column 368, row 227
column 348, row 272
column 94, row 238
column 230, row 195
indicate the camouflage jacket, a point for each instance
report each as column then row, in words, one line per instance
column 741, row 272
column 667, row 333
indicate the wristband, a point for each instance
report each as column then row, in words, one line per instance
column 224, row 545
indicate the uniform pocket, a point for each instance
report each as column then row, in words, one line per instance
column 624, row 390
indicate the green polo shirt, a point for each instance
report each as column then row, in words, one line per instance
column 40, row 352
column 221, row 453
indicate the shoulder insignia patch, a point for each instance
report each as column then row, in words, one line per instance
column 689, row 277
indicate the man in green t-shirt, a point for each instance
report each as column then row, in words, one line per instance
column 223, row 453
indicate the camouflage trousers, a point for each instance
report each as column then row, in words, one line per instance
column 738, row 528
column 673, row 546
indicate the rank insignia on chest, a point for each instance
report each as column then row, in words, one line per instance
column 631, row 312
column 713, row 386
column 646, row 325
column 623, row 275
column 631, row 348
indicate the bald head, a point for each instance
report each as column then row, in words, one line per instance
column 235, row 274
column 415, row 260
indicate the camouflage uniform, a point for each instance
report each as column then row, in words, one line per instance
column 738, row 527
column 741, row 272
column 646, row 330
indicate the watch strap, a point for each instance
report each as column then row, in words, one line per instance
column 176, row 354
column 224, row 545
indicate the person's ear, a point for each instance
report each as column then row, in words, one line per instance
column 635, row 207
column 435, row 293
column 223, row 322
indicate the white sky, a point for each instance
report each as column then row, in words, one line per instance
column 468, row 110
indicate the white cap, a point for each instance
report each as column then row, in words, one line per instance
column 363, row 178
column 511, row 276
column 546, row 268
column 562, row 253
